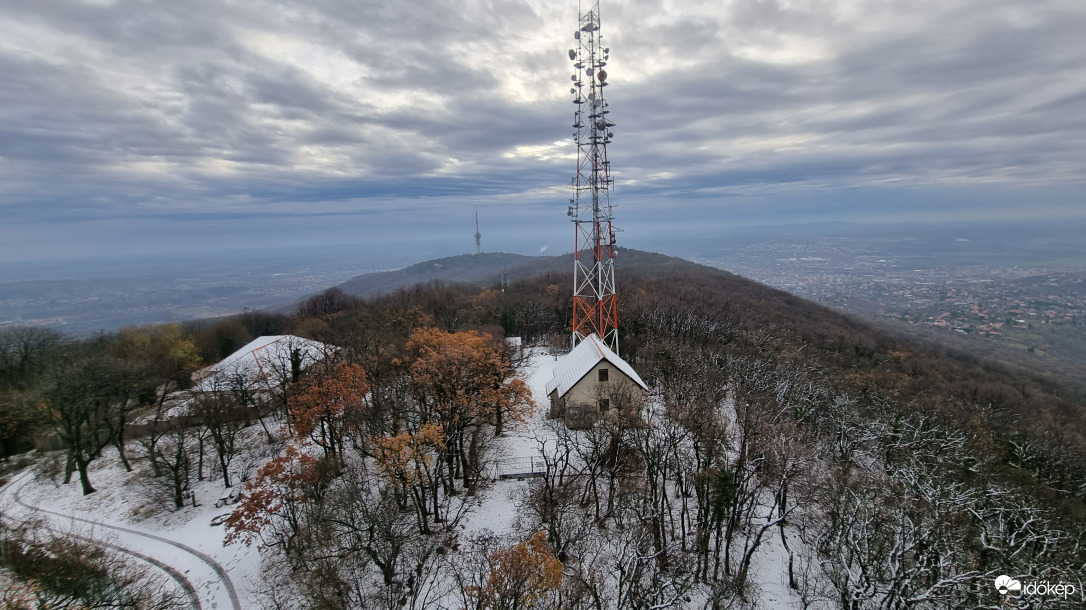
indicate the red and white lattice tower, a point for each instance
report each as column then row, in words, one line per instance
column 595, row 306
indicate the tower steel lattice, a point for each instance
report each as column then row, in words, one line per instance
column 595, row 304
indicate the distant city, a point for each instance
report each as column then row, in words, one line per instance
column 1024, row 288
column 83, row 297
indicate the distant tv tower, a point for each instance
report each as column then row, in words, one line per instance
column 478, row 235
column 595, row 305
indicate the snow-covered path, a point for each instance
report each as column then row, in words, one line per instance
column 197, row 573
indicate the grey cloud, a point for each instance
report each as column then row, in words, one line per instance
column 139, row 109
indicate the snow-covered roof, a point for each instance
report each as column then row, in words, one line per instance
column 581, row 360
column 260, row 361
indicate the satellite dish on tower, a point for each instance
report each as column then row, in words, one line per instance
column 601, row 75
column 572, row 54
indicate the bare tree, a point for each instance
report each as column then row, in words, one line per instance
column 222, row 419
column 554, row 502
column 908, row 525
column 173, row 453
column 82, row 406
column 25, row 356
column 367, row 519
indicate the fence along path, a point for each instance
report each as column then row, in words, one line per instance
column 520, row 467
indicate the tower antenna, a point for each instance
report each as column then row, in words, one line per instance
column 478, row 235
column 595, row 304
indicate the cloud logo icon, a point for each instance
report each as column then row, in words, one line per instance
column 1005, row 584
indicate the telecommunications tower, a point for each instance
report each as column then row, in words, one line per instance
column 595, row 307
column 478, row 235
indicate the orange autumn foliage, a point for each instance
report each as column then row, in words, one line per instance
column 277, row 491
column 467, row 378
column 328, row 404
column 521, row 576
column 406, row 458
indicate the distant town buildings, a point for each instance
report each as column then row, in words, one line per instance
column 1027, row 307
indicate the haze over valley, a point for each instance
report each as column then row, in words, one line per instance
column 593, row 305
column 1018, row 286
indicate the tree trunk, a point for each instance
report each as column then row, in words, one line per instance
column 225, row 472
column 450, row 465
column 420, row 500
column 471, row 466
column 83, row 478
column 69, row 468
column 792, row 572
column 263, row 424
column 178, row 494
column 152, row 452
column 119, row 444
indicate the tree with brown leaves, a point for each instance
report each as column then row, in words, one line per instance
column 526, row 575
column 329, row 404
column 276, row 498
column 407, row 462
column 464, row 380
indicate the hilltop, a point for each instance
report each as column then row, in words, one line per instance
column 652, row 283
column 782, row 442
column 465, row 268
column 488, row 268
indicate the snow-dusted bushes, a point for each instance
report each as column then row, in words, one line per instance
column 63, row 571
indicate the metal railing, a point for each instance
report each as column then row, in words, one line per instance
column 520, row 467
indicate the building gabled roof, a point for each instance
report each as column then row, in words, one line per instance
column 260, row 361
column 581, row 360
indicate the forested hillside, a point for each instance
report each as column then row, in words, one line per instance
column 466, row 268
column 893, row 477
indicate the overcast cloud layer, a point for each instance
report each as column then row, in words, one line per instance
column 133, row 126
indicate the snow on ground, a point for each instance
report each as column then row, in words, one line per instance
column 123, row 513
column 497, row 503
column 130, row 518
column 769, row 571
column 497, row 508
column 522, row 440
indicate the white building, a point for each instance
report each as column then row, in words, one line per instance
column 262, row 364
column 592, row 381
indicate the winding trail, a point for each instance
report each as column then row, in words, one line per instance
column 15, row 487
column 183, row 582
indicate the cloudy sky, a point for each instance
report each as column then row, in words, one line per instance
column 131, row 127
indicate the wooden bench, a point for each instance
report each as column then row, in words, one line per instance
column 228, row 496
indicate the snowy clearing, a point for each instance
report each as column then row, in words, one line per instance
column 190, row 551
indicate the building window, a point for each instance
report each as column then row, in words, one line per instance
column 603, row 374
column 604, row 404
